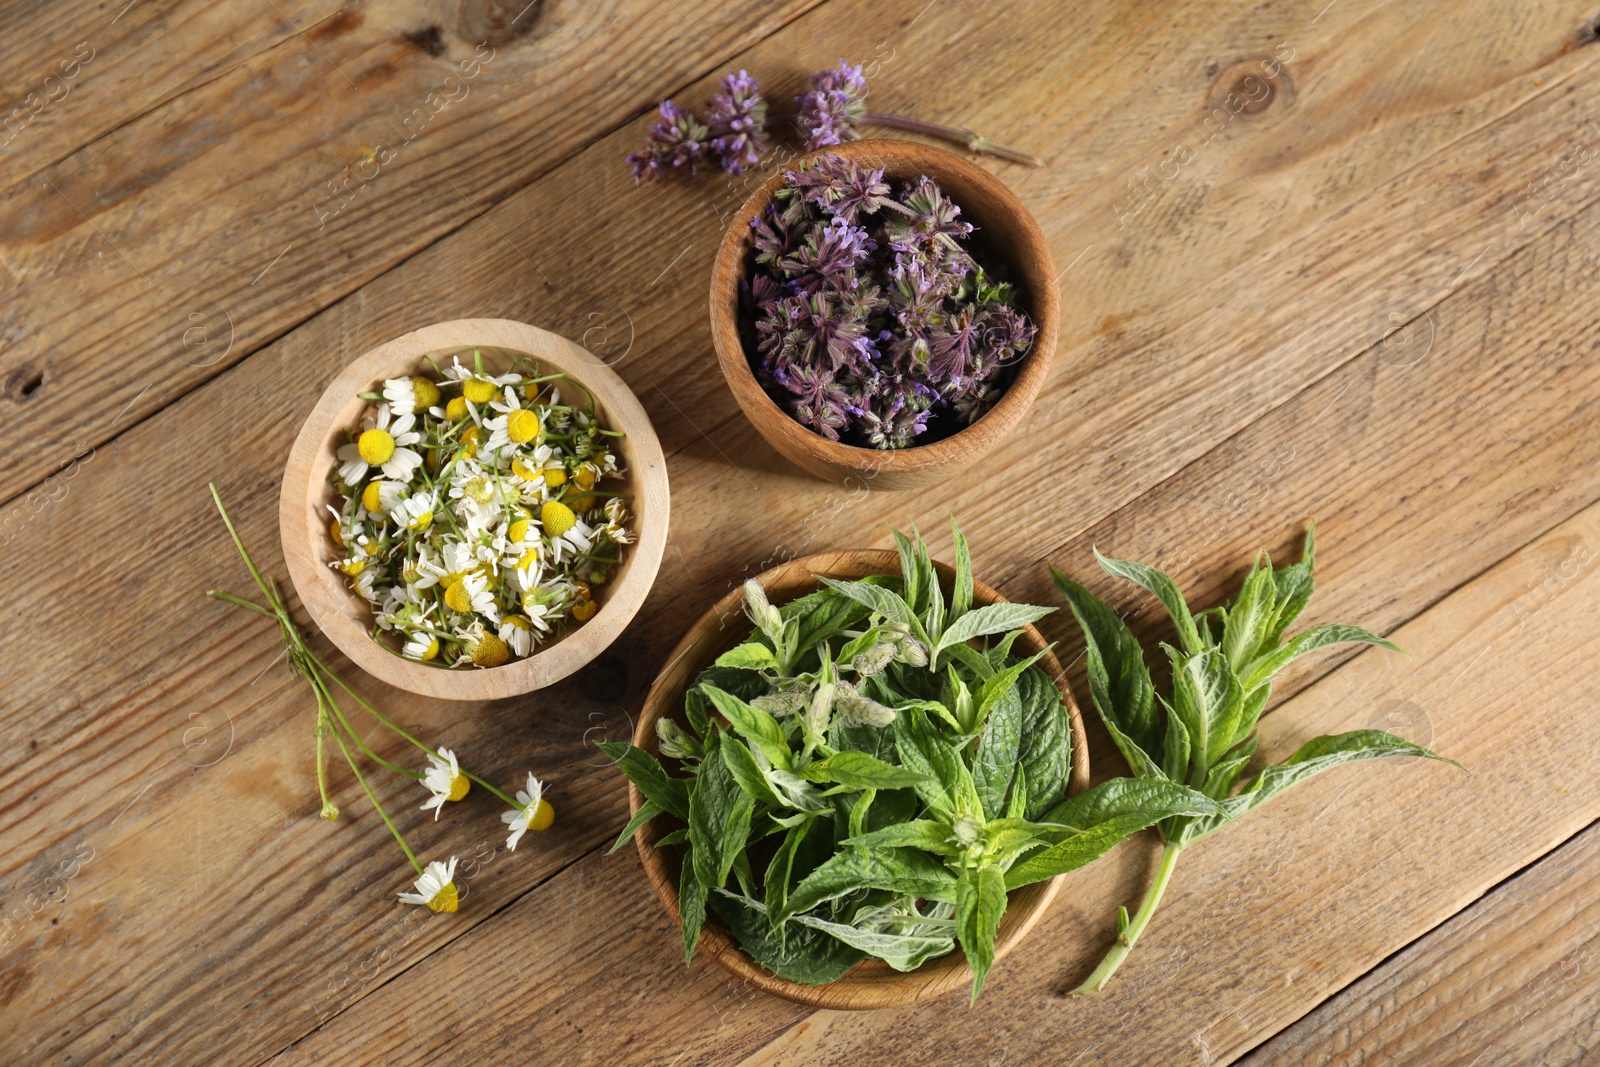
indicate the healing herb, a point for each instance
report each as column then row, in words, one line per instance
column 872, row 771
column 734, row 130
column 1205, row 732
column 868, row 319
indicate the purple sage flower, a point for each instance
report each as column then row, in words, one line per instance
column 833, row 103
column 738, row 122
column 677, row 139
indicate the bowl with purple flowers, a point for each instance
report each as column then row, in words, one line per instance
column 884, row 312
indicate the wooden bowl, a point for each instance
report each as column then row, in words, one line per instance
column 1006, row 236
column 303, row 517
column 871, row 983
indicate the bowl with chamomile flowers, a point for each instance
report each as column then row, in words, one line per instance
column 474, row 510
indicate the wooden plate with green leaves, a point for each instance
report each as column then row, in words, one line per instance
column 819, row 786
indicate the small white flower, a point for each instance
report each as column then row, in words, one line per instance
column 436, row 888
column 532, row 813
column 382, row 445
column 444, row 780
column 517, row 633
column 414, row 513
column 470, row 594
column 421, row 647
column 515, row 425
column 579, row 538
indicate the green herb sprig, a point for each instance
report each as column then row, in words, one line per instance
column 872, row 771
column 1204, row 732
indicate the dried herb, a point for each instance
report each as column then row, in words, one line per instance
column 1204, row 732
column 870, row 773
column 869, row 320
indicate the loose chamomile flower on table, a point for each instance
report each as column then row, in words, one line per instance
column 532, row 812
column 436, row 888
column 444, row 781
column 384, row 444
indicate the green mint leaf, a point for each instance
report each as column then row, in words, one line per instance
column 719, row 818
column 961, row 593
column 995, row 760
column 645, row 771
column 677, row 837
column 980, row 902
column 781, row 868
column 753, row 724
column 1293, row 586
column 750, row 775
column 1119, row 681
column 999, row 684
column 691, row 909
column 1175, row 746
column 1166, row 591
column 752, row 655
column 1315, row 756
column 929, row 835
column 647, row 811
column 898, row 870
column 800, row 954
column 857, row 770
column 903, row 952
column 1017, row 803
column 949, row 788
column 1249, row 619
column 1045, row 753
column 1262, row 670
column 989, row 619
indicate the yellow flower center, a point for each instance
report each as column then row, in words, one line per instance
column 478, row 489
column 353, row 567
column 478, row 391
column 431, row 651
column 518, row 531
column 543, row 816
column 338, row 534
column 421, row 522
column 456, row 410
column 457, row 598
column 557, row 518
column 528, row 559
column 584, row 610
column 371, row 548
column 376, row 446
column 555, row 476
column 471, row 438
column 587, row 475
column 524, row 471
column 491, row 651
column 458, row 787
column 370, row 498
column 517, row 622
column 445, row 899
column 522, row 426
column 426, row 392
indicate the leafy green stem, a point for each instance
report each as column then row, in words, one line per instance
column 1129, row 930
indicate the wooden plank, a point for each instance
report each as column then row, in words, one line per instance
column 183, row 239
column 102, row 723
column 74, row 71
column 1439, row 695
column 1508, row 980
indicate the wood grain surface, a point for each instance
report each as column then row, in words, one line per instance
column 1359, row 289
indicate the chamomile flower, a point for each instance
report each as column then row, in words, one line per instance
column 615, row 529
column 470, row 594
column 420, row 646
column 436, row 888
column 532, row 812
column 517, row 633
column 444, row 780
column 477, row 387
column 515, row 425
column 385, row 445
column 415, row 513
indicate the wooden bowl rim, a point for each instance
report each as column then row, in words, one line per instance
column 870, row 984
column 1034, row 264
column 329, row 603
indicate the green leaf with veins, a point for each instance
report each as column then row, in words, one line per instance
column 980, row 901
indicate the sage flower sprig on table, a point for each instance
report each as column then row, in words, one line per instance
column 442, row 775
column 1205, row 733
column 871, row 321
column 831, row 108
column 909, row 767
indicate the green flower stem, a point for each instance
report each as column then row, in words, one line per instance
column 1130, row 931
column 974, row 142
column 474, row 778
column 322, row 769
column 239, row 601
column 332, row 704
column 373, row 797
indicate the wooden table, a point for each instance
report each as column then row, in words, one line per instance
column 1360, row 289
